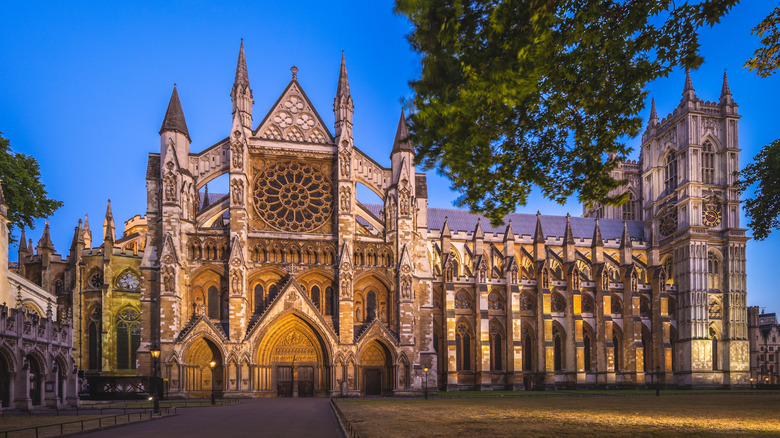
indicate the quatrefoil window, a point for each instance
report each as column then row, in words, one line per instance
column 293, row 196
column 128, row 281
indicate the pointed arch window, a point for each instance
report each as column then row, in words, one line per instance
column 713, row 270
column 259, row 298
column 557, row 349
column 128, row 337
column 329, row 300
column 213, row 303
column 370, row 306
column 463, row 348
column 714, row 339
column 670, row 172
column 527, row 350
column 496, row 350
column 586, row 347
column 629, row 208
column 94, row 346
column 616, row 351
column 315, row 297
column 272, row 291
column 707, row 163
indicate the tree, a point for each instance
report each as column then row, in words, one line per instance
column 25, row 195
column 518, row 93
column 766, row 59
column 763, row 208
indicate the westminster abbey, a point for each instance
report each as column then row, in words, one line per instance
column 287, row 285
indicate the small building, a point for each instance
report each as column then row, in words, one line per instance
column 764, row 334
column 36, row 365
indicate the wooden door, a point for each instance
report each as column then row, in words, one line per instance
column 305, row 381
column 373, row 382
column 284, row 381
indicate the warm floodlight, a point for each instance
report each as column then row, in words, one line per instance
column 212, row 364
column 155, row 352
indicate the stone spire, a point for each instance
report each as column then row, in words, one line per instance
column 538, row 233
column 108, row 225
column 725, row 91
column 241, row 95
column 174, row 116
column 479, row 237
column 401, row 133
column 653, row 114
column 206, row 201
column 597, row 240
column 509, row 240
column 689, row 93
column 509, row 233
column 625, row 239
column 568, row 235
column 22, row 242
column 45, row 241
column 446, row 236
column 78, row 236
column 342, row 104
column 87, row 233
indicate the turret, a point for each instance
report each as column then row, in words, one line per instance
column 725, row 92
column 174, row 131
column 688, row 95
column 241, row 95
column 342, row 104
column 653, row 121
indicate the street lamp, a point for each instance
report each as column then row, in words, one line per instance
column 155, row 351
column 213, row 365
column 426, row 382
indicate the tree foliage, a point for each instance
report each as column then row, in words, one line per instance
column 766, row 59
column 763, row 208
column 518, row 93
column 25, row 195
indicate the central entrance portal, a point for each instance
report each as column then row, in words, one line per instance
column 373, row 382
column 296, row 359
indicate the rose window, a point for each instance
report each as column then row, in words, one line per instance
column 293, row 196
column 96, row 281
column 128, row 281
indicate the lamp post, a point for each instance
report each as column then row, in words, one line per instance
column 657, row 381
column 213, row 365
column 426, row 382
column 155, row 351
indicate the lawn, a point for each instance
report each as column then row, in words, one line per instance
column 568, row 415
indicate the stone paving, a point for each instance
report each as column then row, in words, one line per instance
column 267, row 417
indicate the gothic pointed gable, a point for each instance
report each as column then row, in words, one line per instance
column 236, row 254
column 405, row 261
column 294, row 118
column 345, row 258
column 169, row 255
column 376, row 329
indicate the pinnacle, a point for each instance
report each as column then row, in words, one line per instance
column 597, row 240
column 653, row 112
column 242, row 76
column 174, row 116
column 538, row 233
column 688, row 92
column 343, row 86
column 401, row 143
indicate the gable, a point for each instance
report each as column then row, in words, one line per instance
column 293, row 118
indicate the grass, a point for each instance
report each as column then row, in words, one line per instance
column 568, row 415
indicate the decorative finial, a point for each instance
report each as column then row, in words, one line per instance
column 294, row 71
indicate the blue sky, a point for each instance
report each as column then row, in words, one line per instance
column 84, row 87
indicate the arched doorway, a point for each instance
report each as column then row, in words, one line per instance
column 5, row 382
column 293, row 360
column 199, row 378
column 36, row 379
column 375, row 361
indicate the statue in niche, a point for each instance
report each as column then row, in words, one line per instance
column 546, row 279
column 575, row 279
column 634, row 283
column 345, row 199
column 237, row 154
column 346, row 286
column 170, row 187
column 345, row 158
column 406, row 288
column 237, row 189
column 403, row 198
column 236, row 282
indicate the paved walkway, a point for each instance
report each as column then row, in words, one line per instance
column 265, row 417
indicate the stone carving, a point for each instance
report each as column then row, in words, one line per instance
column 406, row 288
column 237, row 190
column 237, row 153
column 404, row 198
column 170, row 187
column 346, row 285
column 236, row 283
column 345, row 200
